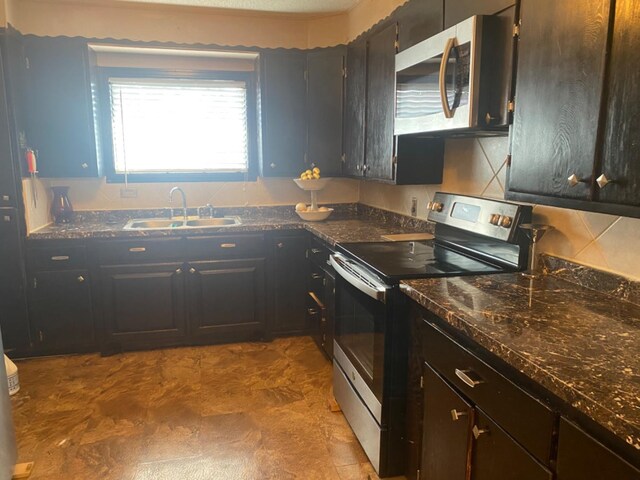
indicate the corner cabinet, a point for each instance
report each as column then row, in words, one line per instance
column 574, row 141
column 58, row 106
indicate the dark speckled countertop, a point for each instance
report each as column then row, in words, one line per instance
column 580, row 344
column 351, row 223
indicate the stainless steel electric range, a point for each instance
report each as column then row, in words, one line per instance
column 473, row 236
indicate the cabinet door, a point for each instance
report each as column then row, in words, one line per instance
column 582, row 457
column 284, row 113
column 455, row 11
column 8, row 191
column 325, row 94
column 330, row 314
column 621, row 154
column 380, row 103
column 419, row 20
column 289, row 284
column 61, row 311
column 497, row 455
column 13, row 304
column 226, row 300
column 59, row 108
column 354, row 114
column 143, row 305
column 561, row 58
column 446, row 439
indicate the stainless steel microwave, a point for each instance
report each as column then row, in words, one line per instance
column 458, row 80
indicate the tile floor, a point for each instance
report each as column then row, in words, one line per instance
column 243, row 411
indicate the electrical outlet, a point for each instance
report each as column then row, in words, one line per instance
column 414, row 207
column 128, row 193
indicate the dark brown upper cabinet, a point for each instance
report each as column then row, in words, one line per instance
column 325, row 98
column 58, row 106
column 574, row 141
column 455, row 11
column 620, row 162
column 419, row 20
column 284, row 113
column 354, row 108
column 8, row 190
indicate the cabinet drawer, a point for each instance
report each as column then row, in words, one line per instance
column 316, row 281
column 57, row 258
column 232, row 246
column 117, row 252
column 318, row 253
column 525, row 418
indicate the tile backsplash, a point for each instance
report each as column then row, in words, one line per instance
column 478, row 167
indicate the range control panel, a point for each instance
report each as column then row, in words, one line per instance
column 491, row 218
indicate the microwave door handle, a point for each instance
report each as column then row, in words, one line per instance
column 448, row 113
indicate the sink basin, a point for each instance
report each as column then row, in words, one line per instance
column 213, row 222
column 153, row 224
column 166, row 223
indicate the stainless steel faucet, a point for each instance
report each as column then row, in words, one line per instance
column 184, row 201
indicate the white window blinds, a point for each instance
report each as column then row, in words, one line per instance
column 179, row 126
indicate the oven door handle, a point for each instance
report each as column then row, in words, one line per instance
column 358, row 279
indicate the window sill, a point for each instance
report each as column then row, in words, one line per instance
column 183, row 177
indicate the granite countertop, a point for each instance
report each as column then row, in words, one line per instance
column 357, row 224
column 580, row 344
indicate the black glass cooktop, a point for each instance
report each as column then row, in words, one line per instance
column 420, row 259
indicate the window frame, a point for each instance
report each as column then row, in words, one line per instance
column 106, row 132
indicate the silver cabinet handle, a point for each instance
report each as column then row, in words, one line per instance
column 603, row 181
column 273, row 165
column 60, row 258
column 192, row 270
column 574, row 180
column 137, row 249
column 227, row 245
column 280, row 245
column 316, row 276
column 179, row 271
column 479, row 431
column 6, row 218
column 85, row 165
column 80, row 279
column 446, row 108
column 6, row 198
column 469, row 377
column 312, row 311
column 455, row 414
column 316, row 251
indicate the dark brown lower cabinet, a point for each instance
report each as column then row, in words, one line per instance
column 143, row 306
column 498, row 456
column 446, row 438
column 226, row 300
column 61, row 311
column 582, row 457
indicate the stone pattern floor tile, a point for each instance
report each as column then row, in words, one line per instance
column 243, row 411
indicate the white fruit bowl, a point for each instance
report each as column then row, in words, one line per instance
column 311, row 185
column 315, row 215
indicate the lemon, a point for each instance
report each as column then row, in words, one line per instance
column 303, row 176
column 316, row 176
column 301, row 207
column 316, row 171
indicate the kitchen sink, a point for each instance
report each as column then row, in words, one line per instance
column 173, row 224
column 213, row 222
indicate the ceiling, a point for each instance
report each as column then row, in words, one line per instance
column 279, row 6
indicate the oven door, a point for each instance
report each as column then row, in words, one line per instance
column 436, row 81
column 362, row 314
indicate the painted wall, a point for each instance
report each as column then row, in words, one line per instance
column 477, row 167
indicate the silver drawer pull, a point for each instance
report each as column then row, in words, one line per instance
column 312, row 311
column 316, row 251
column 455, row 414
column 227, row 245
column 137, row 249
column 316, row 276
column 80, row 279
column 469, row 377
column 479, row 431
column 60, row 258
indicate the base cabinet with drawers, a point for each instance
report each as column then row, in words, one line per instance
column 321, row 296
column 473, row 418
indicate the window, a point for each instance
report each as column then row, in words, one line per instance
column 162, row 124
column 179, row 126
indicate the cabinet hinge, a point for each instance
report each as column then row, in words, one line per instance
column 306, row 254
column 508, row 160
column 516, row 30
column 418, row 474
column 343, row 157
column 306, row 75
column 511, row 106
column 421, row 382
column 344, row 72
column 41, row 335
column 35, row 282
column 27, row 63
